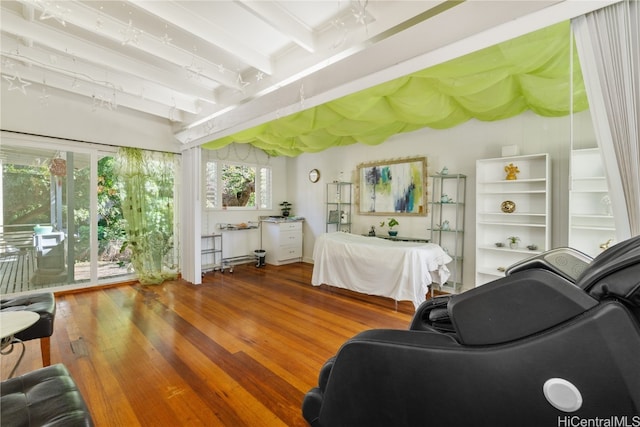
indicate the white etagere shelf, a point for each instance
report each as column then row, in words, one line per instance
column 447, row 206
column 591, row 223
column 530, row 221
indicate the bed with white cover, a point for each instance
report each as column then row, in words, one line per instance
column 399, row 270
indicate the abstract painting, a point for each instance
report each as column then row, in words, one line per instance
column 395, row 187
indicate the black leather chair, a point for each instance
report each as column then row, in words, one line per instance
column 45, row 305
column 537, row 347
column 45, row 397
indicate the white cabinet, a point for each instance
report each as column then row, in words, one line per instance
column 511, row 208
column 447, row 203
column 591, row 222
column 283, row 242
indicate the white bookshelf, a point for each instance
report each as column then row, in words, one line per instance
column 591, row 222
column 530, row 221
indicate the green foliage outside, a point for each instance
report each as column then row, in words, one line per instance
column 238, row 183
column 27, row 195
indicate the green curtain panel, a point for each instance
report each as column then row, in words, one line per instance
column 148, row 188
column 531, row 72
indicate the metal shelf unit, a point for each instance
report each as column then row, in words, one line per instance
column 447, row 206
column 211, row 252
column 338, row 207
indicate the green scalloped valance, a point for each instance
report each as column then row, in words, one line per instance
column 531, row 72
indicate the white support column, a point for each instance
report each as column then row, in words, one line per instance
column 191, row 215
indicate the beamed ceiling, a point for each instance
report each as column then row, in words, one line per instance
column 212, row 68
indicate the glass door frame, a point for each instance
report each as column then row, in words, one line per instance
column 94, row 153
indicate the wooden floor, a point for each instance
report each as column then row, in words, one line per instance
column 241, row 349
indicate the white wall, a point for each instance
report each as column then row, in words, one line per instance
column 458, row 149
column 77, row 118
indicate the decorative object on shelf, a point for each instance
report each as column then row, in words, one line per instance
column 512, row 172
column 499, row 245
column 446, row 226
column 606, row 201
column 532, row 247
column 240, row 226
column 314, row 175
column 344, row 217
column 392, row 223
column 508, row 206
column 606, row 244
column 446, row 199
column 513, row 241
column 444, row 171
column 285, row 207
column 372, row 231
column 392, row 187
column 334, row 217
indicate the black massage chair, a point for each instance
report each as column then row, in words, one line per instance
column 556, row 342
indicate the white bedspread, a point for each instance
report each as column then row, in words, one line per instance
column 399, row 270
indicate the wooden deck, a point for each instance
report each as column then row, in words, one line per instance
column 16, row 271
column 19, row 273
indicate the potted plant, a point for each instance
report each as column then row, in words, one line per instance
column 513, row 241
column 392, row 223
column 285, row 207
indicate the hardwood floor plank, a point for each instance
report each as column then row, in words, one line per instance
column 241, row 349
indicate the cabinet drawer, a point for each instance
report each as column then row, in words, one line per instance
column 288, row 252
column 290, row 238
column 290, row 226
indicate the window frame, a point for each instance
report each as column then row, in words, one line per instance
column 263, row 202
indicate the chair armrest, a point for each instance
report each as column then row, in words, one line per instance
column 433, row 315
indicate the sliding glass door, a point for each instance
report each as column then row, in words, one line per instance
column 61, row 223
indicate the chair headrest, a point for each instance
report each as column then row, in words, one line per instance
column 516, row 306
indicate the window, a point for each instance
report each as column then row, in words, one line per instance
column 237, row 186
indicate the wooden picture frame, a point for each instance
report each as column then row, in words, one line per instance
column 392, row 187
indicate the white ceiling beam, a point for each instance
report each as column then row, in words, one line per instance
column 91, row 53
column 98, row 96
column 173, row 13
column 273, row 14
column 85, row 17
column 90, row 73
